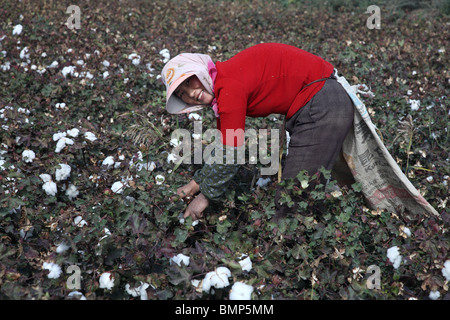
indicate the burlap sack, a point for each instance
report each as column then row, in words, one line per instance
column 383, row 183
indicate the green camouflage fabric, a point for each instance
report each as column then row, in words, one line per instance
column 214, row 178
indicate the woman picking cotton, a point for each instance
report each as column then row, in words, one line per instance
column 265, row 79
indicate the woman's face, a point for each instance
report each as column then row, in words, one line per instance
column 193, row 92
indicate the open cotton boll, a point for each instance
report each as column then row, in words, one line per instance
column 76, row 295
column 62, row 142
column 72, row 192
column 180, row 258
column 28, row 155
column 174, row 142
column 45, row 177
column 394, row 256
column 140, row 291
column 194, row 116
column 171, row 158
column 17, row 29
column 62, row 173
column 446, row 270
column 108, row 161
column 241, row 291
column 62, row 247
column 434, row 295
column 90, row 136
column 55, row 270
column 59, row 135
column 106, row 281
column 415, row 104
column 49, row 186
column 246, row 264
column 73, row 132
column 217, row 279
column 117, row 187
column 79, row 222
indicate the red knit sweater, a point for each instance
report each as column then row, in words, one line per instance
column 265, row 79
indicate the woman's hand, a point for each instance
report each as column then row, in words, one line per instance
column 188, row 190
column 196, row 207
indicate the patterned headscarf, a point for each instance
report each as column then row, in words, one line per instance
column 179, row 69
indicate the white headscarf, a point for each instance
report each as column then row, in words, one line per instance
column 179, row 69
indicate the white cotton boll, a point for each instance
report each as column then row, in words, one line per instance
column 194, row 116
column 68, row 70
column 62, row 173
column 241, row 291
column 135, row 58
column 62, row 142
column 117, row 187
column 45, row 177
column 246, row 264
column 50, row 188
column 394, row 256
column 166, row 55
column 217, row 279
column 105, row 63
column 59, row 135
column 407, row 231
column 73, row 132
column 90, row 136
column 171, row 158
column 76, row 295
column 17, row 29
column 108, row 161
column 79, row 222
column 175, row 142
column 105, row 74
column 28, row 155
column 140, row 291
column 72, row 192
column 62, row 247
column 415, row 104
column 55, row 270
column 180, row 258
column 159, row 179
column 434, row 295
column 446, row 270
column 24, row 53
column 106, row 281
column 54, row 64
